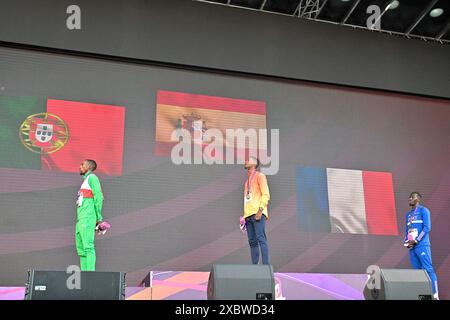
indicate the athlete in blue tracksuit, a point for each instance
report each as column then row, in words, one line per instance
column 417, row 240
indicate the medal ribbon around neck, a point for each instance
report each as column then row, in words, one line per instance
column 411, row 217
column 249, row 182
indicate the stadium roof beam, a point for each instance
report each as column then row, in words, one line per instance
column 421, row 16
column 298, row 7
column 262, row 5
column 310, row 9
column 443, row 31
column 321, row 7
column 349, row 13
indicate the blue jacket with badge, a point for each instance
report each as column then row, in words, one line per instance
column 418, row 222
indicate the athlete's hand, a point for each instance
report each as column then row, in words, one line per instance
column 412, row 243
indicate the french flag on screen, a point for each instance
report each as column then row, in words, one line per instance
column 345, row 201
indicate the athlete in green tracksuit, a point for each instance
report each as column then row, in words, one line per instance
column 89, row 214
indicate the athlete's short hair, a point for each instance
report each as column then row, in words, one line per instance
column 257, row 161
column 417, row 194
column 92, row 164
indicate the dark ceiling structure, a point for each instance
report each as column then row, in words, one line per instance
column 428, row 20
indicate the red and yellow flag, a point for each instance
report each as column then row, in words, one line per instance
column 198, row 113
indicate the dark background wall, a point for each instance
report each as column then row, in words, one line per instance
column 184, row 217
column 197, row 34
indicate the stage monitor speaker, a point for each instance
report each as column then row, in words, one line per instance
column 60, row 285
column 241, row 282
column 400, row 284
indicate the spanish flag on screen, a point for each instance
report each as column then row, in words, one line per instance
column 198, row 113
column 49, row 134
column 345, row 201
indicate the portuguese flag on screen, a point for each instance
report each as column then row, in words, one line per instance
column 49, row 134
column 13, row 111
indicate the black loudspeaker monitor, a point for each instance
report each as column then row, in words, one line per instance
column 399, row 284
column 86, row 285
column 241, row 282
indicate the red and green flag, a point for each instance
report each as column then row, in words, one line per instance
column 49, row 134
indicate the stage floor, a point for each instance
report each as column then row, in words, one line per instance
column 185, row 285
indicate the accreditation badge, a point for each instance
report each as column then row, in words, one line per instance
column 80, row 199
column 412, row 234
column 248, row 197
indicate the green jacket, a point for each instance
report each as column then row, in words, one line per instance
column 90, row 198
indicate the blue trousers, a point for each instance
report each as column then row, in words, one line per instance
column 420, row 258
column 256, row 232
